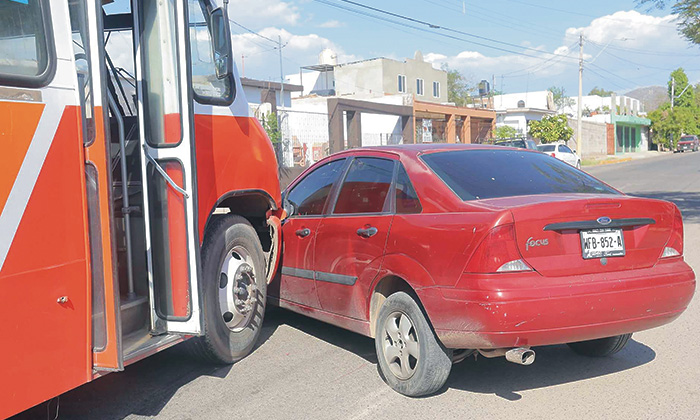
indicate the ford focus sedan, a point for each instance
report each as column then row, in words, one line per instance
column 441, row 252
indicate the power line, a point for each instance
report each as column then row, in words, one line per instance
column 571, row 12
column 252, row 31
column 432, row 28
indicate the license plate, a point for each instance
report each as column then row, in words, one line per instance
column 599, row 243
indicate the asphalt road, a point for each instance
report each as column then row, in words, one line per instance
column 306, row 369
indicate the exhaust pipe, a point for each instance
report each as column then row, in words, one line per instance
column 519, row 355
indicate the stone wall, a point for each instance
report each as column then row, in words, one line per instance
column 594, row 140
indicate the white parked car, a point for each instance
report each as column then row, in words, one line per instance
column 561, row 152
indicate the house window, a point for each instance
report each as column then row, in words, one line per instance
column 419, row 87
column 436, row 89
column 402, row 83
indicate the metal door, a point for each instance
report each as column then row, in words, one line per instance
column 167, row 164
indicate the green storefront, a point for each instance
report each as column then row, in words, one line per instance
column 628, row 133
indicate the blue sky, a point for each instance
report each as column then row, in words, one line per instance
column 536, row 41
column 626, row 46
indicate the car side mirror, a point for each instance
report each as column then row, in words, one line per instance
column 221, row 42
column 287, row 205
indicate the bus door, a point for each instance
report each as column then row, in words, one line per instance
column 167, row 165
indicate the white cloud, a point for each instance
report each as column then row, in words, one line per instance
column 264, row 12
column 631, row 29
column 301, row 50
column 332, row 24
column 614, row 43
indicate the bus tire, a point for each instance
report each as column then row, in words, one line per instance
column 232, row 325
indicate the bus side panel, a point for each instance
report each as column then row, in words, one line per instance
column 233, row 154
column 44, row 280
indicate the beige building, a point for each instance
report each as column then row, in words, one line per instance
column 373, row 78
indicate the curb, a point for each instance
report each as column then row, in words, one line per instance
column 610, row 162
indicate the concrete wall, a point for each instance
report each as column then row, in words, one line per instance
column 361, row 78
column 540, row 99
column 594, row 140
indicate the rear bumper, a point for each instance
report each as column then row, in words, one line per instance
column 503, row 311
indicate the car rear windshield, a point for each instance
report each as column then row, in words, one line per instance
column 687, row 138
column 483, row 174
column 547, row 148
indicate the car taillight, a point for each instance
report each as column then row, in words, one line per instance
column 554, row 155
column 498, row 253
column 674, row 246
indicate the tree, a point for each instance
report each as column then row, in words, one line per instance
column 688, row 12
column 685, row 95
column 560, row 99
column 506, row 132
column 551, row 129
column 669, row 124
column 601, row 92
column 459, row 89
column 271, row 126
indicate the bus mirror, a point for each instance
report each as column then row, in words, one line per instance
column 221, row 43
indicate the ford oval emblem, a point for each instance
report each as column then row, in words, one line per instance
column 604, row 221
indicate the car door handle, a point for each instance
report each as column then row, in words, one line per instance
column 303, row 233
column 367, row 232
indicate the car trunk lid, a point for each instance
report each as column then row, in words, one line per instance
column 548, row 230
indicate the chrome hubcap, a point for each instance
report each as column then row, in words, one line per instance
column 401, row 349
column 238, row 293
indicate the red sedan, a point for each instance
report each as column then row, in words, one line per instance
column 439, row 252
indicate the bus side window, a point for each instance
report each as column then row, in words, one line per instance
column 207, row 87
column 27, row 56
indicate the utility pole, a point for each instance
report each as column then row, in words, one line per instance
column 580, row 96
column 243, row 63
column 673, row 99
column 279, row 46
column 673, row 91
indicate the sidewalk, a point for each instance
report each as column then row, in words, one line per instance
column 620, row 158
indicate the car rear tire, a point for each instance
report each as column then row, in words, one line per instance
column 411, row 359
column 601, row 347
column 234, row 291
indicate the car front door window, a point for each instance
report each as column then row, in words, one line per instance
column 309, row 196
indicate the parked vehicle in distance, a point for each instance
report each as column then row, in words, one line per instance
column 519, row 143
column 561, row 152
column 690, row 143
column 439, row 252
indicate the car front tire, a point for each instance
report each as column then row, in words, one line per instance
column 411, row 359
column 601, row 347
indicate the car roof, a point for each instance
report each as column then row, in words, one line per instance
column 413, row 150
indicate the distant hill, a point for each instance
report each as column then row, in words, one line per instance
column 651, row 96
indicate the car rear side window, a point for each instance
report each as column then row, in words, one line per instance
column 365, row 187
column 308, row 197
column 483, row 174
column 406, row 198
column 26, row 47
column 547, row 148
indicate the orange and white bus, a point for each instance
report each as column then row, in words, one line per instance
column 139, row 201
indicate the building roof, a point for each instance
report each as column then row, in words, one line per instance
column 263, row 84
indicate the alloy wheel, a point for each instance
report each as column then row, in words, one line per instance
column 401, row 349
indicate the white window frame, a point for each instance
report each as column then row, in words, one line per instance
column 402, row 83
column 436, row 89
column 420, row 87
